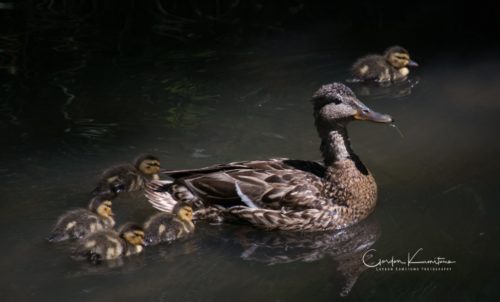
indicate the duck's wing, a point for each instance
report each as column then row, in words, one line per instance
column 272, row 184
column 313, row 167
column 273, row 164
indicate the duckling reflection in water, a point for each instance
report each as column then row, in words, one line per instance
column 166, row 227
column 111, row 245
column 78, row 223
column 127, row 177
column 392, row 66
column 373, row 90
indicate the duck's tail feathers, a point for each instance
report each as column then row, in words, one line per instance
column 158, row 194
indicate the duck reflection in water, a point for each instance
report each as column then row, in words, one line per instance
column 345, row 247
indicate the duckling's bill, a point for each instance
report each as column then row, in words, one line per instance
column 412, row 63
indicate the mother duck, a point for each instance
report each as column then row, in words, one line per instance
column 285, row 194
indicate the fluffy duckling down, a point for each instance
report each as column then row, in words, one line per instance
column 110, row 245
column 167, row 227
column 76, row 224
column 129, row 177
column 392, row 66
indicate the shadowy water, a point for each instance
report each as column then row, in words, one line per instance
column 73, row 104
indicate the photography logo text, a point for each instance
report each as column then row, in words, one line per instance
column 414, row 261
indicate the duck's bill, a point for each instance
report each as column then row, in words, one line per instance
column 412, row 63
column 372, row 116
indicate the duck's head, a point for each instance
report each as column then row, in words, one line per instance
column 133, row 234
column 336, row 104
column 147, row 164
column 399, row 57
column 102, row 205
column 184, row 212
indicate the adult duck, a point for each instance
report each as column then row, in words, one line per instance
column 285, row 194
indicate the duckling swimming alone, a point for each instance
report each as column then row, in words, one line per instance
column 392, row 66
column 166, row 227
column 127, row 178
column 78, row 223
column 110, row 245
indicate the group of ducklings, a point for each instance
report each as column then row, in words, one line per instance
column 93, row 228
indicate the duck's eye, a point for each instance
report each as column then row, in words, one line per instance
column 366, row 111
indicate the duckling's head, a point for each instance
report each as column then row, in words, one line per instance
column 102, row 205
column 132, row 233
column 399, row 57
column 184, row 212
column 336, row 104
column 147, row 164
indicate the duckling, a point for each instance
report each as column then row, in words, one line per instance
column 392, row 66
column 110, row 245
column 167, row 227
column 127, row 178
column 78, row 223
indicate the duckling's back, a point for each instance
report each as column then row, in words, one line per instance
column 76, row 224
column 122, row 178
column 101, row 245
column 165, row 227
column 371, row 67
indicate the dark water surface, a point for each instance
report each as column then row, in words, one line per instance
column 79, row 104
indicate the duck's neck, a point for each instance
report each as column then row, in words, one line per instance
column 336, row 147
column 335, row 144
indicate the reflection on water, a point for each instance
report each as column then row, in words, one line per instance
column 80, row 100
column 346, row 247
column 373, row 90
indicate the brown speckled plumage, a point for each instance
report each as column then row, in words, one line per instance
column 291, row 195
column 392, row 66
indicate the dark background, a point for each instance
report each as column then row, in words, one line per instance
column 88, row 84
column 42, row 38
column 436, row 26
